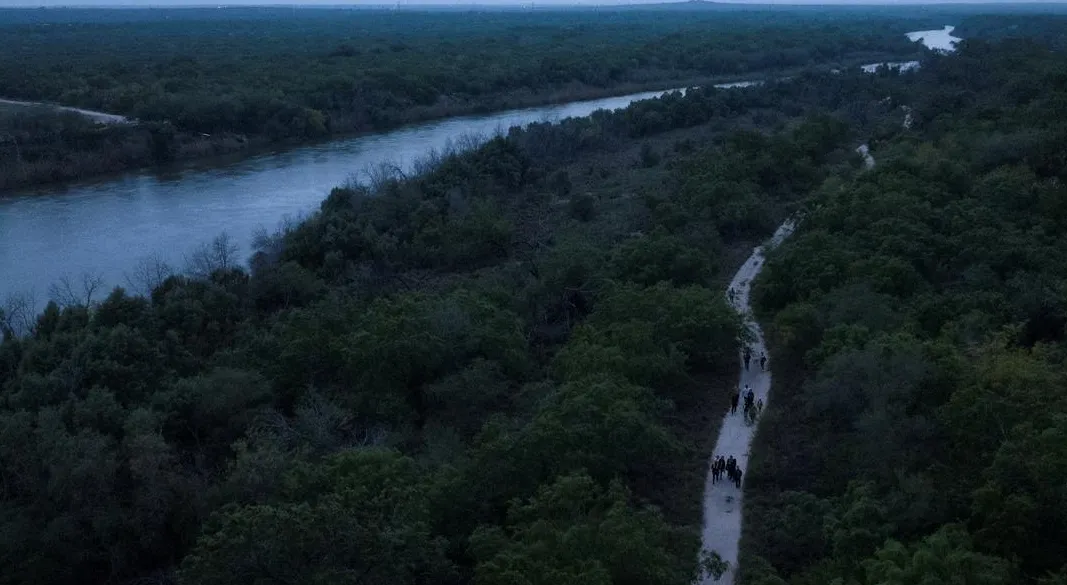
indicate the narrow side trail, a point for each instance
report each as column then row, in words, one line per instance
column 722, row 499
column 98, row 117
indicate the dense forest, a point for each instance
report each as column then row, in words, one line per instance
column 510, row 365
column 917, row 431
column 208, row 81
column 308, row 72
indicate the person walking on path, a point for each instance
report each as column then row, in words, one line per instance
column 750, row 405
column 733, row 402
column 748, row 356
column 763, row 361
column 724, row 507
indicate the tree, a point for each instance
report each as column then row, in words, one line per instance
column 659, row 257
column 575, row 532
column 147, row 274
column 946, row 556
column 1021, row 505
column 68, row 293
column 220, row 254
column 359, row 517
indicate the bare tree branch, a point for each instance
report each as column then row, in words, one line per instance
column 220, row 254
column 17, row 315
column 147, row 274
column 71, row 292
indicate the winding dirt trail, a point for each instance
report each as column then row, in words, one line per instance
column 98, row 117
column 722, row 501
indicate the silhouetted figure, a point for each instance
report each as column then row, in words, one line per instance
column 763, row 361
column 750, row 398
column 737, row 477
column 759, row 406
column 731, row 464
column 733, row 402
column 748, row 357
column 718, row 467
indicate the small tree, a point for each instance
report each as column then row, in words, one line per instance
column 69, row 292
column 649, row 157
column 147, row 274
column 582, row 207
column 561, row 183
column 220, row 254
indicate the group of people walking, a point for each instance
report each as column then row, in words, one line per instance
column 748, row 358
column 753, row 407
column 728, row 467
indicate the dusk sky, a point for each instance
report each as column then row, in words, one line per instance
column 162, row 3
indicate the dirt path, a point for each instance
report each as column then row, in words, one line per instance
column 98, row 117
column 722, row 501
column 865, row 152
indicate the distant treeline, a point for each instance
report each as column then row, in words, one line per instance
column 311, row 73
column 1050, row 30
column 42, row 145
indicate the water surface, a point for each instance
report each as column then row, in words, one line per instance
column 105, row 227
column 938, row 40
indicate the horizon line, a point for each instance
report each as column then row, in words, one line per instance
column 524, row 4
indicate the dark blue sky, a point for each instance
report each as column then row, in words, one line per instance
column 57, row 3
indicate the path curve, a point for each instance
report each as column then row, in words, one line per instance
column 722, row 501
column 865, row 152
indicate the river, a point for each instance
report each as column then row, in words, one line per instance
column 107, row 226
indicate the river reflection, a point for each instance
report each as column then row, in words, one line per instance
column 107, row 225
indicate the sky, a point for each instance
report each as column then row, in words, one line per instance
column 162, row 3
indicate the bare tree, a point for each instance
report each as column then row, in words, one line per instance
column 319, row 424
column 147, row 274
column 268, row 246
column 220, row 254
column 380, row 176
column 71, row 292
column 425, row 164
column 472, row 140
column 17, row 314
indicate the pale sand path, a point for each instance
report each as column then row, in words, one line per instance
column 722, row 501
column 98, row 117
